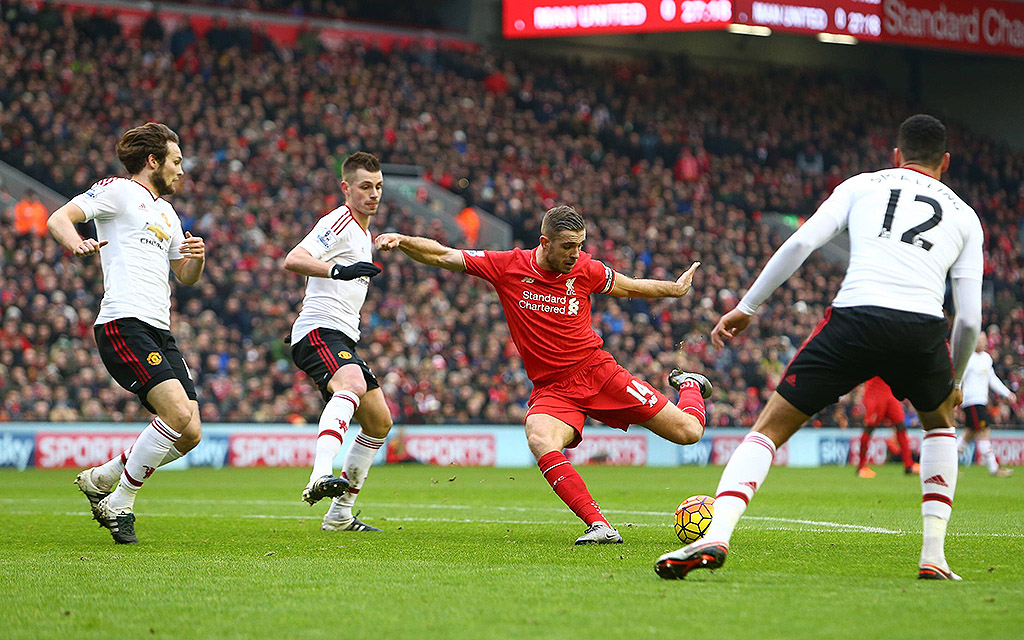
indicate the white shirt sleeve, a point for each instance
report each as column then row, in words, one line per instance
column 995, row 384
column 825, row 224
column 971, row 261
column 177, row 237
column 321, row 239
column 966, row 323
column 101, row 202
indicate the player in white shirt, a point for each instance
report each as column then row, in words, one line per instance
column 140, row 240
column 907, row 231
column 979, row 378
column 335, row 256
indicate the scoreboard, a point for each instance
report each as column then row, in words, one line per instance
column 540, row 18
column 993, row 27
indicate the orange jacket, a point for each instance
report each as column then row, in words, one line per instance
column 30, row 217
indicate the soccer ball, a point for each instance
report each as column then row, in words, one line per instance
column 693, row 517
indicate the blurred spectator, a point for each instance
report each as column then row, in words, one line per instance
column 469, row 223
column 30, row 215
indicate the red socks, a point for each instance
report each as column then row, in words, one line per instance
column 691, row 401
column 569, row 486
column 908, row 460
column 865, row 439
column 901, row 438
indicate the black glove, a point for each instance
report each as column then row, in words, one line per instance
column 353, row 271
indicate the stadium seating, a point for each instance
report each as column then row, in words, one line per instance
column 668, row 166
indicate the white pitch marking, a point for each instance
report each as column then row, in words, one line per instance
column 820, row 526
column 832, row 525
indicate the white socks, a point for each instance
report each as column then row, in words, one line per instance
column 938, row 484
column 107, row 474
column 357, row 466
column 743, row 476
column 987, row 455
column 147, row 454
column 334, row 423
column 961, row 444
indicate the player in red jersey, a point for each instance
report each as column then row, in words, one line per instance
column 882, row 409
column 545, row 293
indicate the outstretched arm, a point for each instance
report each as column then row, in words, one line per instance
column 626, row 287
column 62, row 225
column 997, row 385
column 303, row 263
column 429, row 252
column 819, row 229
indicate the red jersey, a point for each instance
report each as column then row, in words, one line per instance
column 548, row 313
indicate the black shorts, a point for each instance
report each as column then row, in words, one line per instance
column 139, row 356
column 852, row 344
column 976, row 416
column 321, row 352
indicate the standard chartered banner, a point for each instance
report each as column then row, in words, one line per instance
column 80, row 445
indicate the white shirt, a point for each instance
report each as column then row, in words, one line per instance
column 334, row 304
column 979, row 377
column 907, row 231
column 898, row 268
column 143, row 234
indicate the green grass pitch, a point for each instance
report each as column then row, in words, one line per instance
column 487, row 553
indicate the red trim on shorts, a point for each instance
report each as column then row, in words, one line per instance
column 734, row 494
column 330, row 432
column 122, row 350
column 937, row 497
column 132, row 480
column 145, row 374
column 932, row 434
column 325, row 353
column 817, row 329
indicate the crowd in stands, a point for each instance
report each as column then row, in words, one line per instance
column 421, row 13
column 668, row 165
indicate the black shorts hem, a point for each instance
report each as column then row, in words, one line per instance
column 924, row 407
column 793, row 398
column 163, row 376
column 322, row 352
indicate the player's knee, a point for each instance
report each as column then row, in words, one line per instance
column 541, row 442
column 178, row 418
column 378, row 427
column 190, row 439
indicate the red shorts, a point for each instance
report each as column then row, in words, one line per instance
column 880, row 408
column 602, row 390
